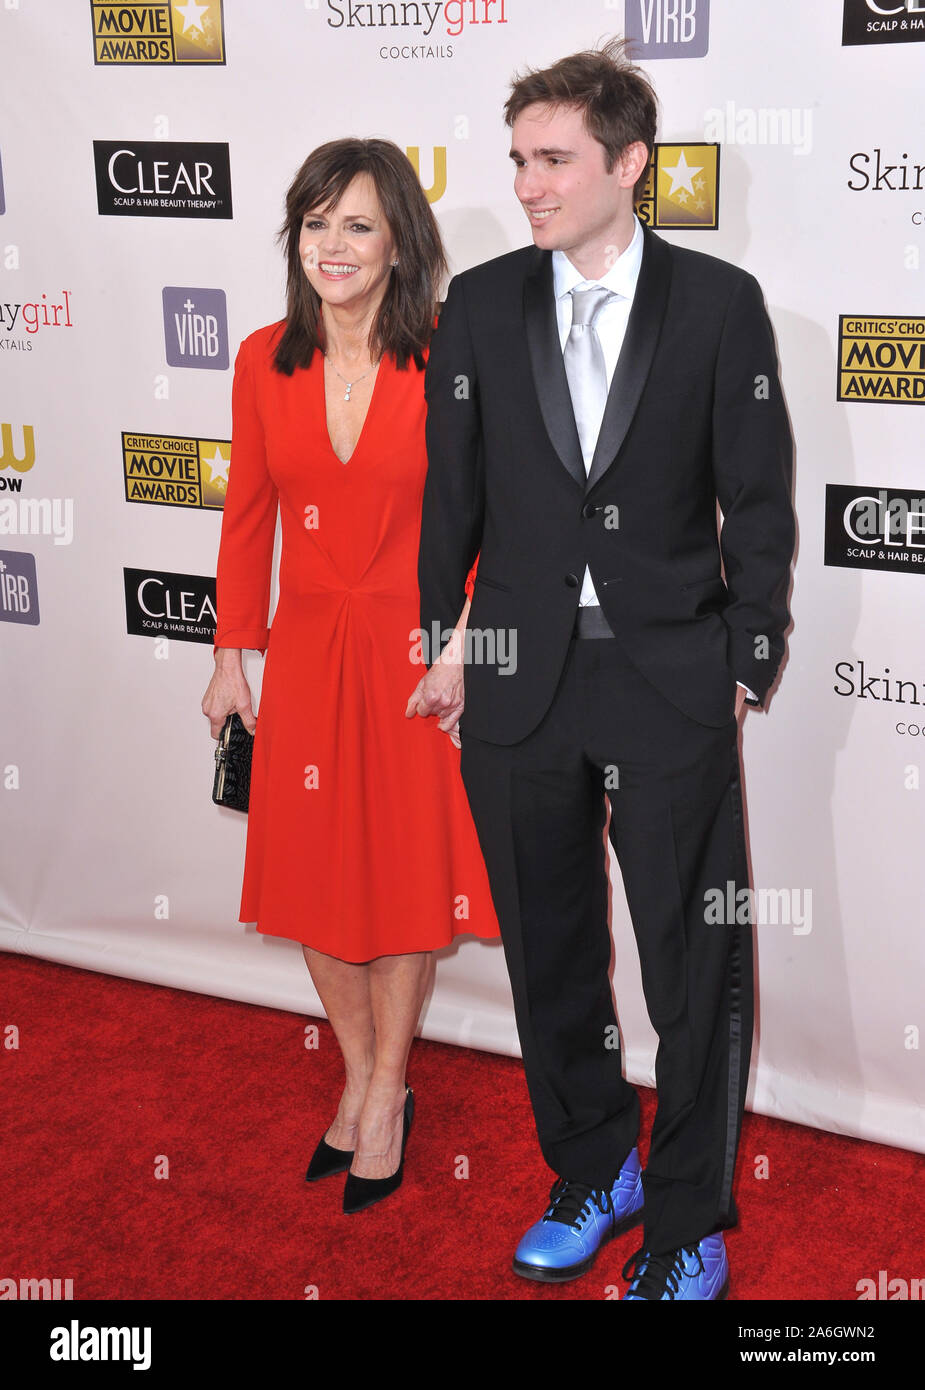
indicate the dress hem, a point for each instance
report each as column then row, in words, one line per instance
column 362, row 960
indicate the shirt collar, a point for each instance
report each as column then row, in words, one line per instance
column 620, row 278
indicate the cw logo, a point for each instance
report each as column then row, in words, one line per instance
column 438, row 187
column 8, row 457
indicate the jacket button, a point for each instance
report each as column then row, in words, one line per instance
column 588, row 510
column 572, row 581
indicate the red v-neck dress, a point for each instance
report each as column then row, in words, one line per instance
column 360, row 842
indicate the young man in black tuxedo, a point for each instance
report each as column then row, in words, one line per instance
column 590, row 400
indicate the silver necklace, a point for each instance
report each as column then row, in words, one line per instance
column 350, row 384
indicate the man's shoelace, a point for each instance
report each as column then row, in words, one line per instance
column 663, row 1273
column 570, row 1200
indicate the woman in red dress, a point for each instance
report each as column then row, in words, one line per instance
column 360, row 844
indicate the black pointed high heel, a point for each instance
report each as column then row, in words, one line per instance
column 363, row 1192
column 325, row 1161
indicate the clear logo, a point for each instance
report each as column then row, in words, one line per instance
column 883, row 21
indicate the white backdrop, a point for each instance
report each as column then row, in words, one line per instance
column 114, row 858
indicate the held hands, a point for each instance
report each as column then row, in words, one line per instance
column 228, row 691
column 440, row 690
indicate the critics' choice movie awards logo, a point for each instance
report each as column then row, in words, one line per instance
column 195, row 328
column 681, row 189
column 883, row 21
column 174, row 471
column 158, row 32
column 667, row 28
column 881, row 360
column 158, row 178
column 868, row 528
column 19, row 594
column 159, row 604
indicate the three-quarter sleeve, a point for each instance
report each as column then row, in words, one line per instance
column 245, row 554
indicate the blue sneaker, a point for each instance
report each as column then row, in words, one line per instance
column 564, row 1243
column 696, row 1272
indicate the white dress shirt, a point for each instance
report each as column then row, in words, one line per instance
column 610, row 323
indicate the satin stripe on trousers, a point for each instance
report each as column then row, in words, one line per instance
column 676, row 827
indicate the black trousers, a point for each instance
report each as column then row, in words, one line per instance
column 677, row 830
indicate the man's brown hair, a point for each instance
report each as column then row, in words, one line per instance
column 617, row 99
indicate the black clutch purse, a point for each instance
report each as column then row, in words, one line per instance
column 232, row 783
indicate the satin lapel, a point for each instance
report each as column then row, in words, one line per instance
column 642, row 330
column 548, row 368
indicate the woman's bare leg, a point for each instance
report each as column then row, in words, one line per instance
column 397, row 986
column 344, row 990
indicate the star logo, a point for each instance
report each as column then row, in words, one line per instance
column 681, row 175
column 687, row 198
column 191, row 14
column 218, row 467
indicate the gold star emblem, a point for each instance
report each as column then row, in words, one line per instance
column 192, row 15
column 681, row 174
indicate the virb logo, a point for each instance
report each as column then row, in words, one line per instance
column 667, row 28
column 19, row 599
column 195, row 327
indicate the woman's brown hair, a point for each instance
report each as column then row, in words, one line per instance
column 404, row 323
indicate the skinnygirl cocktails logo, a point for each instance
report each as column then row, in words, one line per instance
column 21, row 324
column 416, row 31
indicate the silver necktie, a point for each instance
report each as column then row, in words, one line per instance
column 585, row 367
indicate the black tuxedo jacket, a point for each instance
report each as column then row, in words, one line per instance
column 695, row 414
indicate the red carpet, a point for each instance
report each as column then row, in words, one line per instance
column 110, row 1074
